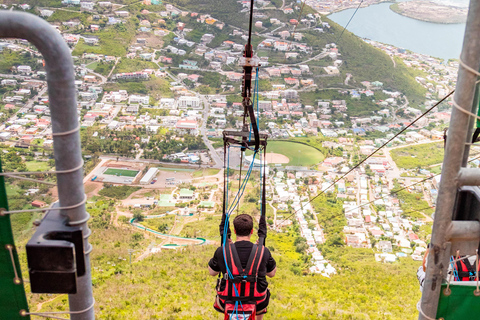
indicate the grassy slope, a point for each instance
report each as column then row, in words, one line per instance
column 419, row 156
column 175, row 285
column 368, row 63
column 114, row 40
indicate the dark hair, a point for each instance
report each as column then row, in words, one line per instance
column 243, row 224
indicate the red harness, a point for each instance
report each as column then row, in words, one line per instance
column 241, row 292
column 465, row 271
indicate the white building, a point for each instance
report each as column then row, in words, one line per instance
column 188, row 101
column 149, row 176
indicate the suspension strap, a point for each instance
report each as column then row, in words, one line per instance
column 262, row 224
column 225, row 195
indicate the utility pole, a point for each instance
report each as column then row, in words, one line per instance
column 130, row 251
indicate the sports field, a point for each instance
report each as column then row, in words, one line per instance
column 121, row 172
column 298, row 154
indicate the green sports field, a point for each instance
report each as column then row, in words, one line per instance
column 121, row 172
column 298, row 154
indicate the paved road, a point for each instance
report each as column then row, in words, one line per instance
column 218, row 162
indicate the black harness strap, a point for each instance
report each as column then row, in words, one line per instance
column 470, row 273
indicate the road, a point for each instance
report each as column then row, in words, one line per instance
column 98, row 166
column 26, row 108
column 218, row 162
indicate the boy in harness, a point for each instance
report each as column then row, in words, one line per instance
column 248, row 264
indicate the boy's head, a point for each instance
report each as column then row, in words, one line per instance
column 243, row 225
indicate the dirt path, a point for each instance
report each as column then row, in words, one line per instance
column 40, row 305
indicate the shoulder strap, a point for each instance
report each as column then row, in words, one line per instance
column 227, row 252
column 236, row 259
column 251, row 259
column 468, row 265
column 253, row 270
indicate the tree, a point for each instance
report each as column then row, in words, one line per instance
column 138, row 216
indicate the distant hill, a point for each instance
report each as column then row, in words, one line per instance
column 363, row 61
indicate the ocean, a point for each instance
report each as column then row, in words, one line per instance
column 379, row 23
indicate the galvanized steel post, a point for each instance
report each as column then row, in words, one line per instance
column 66, row 135
column 454, row 153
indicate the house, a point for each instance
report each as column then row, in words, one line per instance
column 187, row 126
column 91, row 40
column 38, row 204
column 24, row 69
column 46, row 13
column 145, row 100
column 186, row 194
column 87, row 5
column 122, row 13
column 291, row 81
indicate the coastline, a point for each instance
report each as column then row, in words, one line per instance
column 363, row 5
column 430, row 12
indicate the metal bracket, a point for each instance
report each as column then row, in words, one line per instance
column 55, row 255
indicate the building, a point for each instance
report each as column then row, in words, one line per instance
column 188, row 101
column 186, row 194
column 24, row 69
column 149, row 176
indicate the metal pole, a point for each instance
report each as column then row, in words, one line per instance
column 454, row 152
column 471, row 126
column 67, row 149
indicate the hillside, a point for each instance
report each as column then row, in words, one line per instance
column 174, row 284
column 362, row 60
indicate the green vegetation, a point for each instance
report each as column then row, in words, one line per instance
column 205, row 228
column 155, row 287
column 131, row 87
column 395, row 8
column 413, row 205
column 418, row 156
column 114, row 40
column 226, row 11
column 163, row 224
column 101, row 67
column 9, row 59
column 357, row 54
column 118, row 193
column 298, row 154
column 331, row 217
column 62, row 16
column 132, row 65
column 121, row 172
column 205, row 173
column 38, row 166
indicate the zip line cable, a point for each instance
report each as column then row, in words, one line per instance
column 353, row 15
column 371, row 154
column 299, row 17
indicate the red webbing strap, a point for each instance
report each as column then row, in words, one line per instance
column 255, row 266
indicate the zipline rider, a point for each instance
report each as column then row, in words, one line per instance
column 255, row 260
